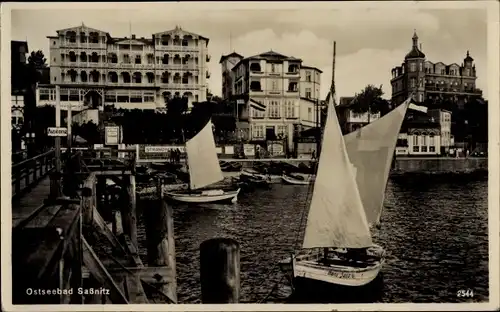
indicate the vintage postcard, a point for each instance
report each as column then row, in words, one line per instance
column 250, row 156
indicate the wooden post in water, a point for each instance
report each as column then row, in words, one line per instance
column 129, row 213
column 220, row 271
column 160, row 241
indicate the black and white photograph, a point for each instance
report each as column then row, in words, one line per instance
column 250, row 155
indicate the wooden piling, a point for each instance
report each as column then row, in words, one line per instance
column 129, row 213
column 220, row 271
column 117, row 223
column 160, row 242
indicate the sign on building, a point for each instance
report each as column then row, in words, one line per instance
column 57, row 132
column 112, row 135
column 147, row 153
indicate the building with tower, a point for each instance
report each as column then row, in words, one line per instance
column 94, row 69
column 433, row 82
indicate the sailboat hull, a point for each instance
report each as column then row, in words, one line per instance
column 289, row 180
column 335, row 271
column 203, row 197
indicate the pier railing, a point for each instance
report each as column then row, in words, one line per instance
column 28, row 172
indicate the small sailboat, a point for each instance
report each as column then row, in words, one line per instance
column 204, row 170
column 348, row 195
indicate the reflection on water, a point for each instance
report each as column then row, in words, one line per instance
column 435, row 234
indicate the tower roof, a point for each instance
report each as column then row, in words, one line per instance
column 468, row 57
column 415, row 51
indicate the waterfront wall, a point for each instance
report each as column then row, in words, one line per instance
column 439, row 165
column 406, row 164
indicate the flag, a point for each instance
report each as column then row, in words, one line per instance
column 419, row 108
column 257, row 105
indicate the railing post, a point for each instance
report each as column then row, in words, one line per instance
column 27, row 174
column 35, row 168
column 18, row 180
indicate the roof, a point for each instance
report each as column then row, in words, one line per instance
column 468, row 57
column 271, row 56
column 345, row 101
column 179, row 31
column 415, row 53
column 311, row 67
column 131, row 40
column 224, row 57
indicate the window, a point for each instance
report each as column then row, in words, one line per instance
column 424, row 140
column 308, row 76
column 309, row 114
column 126, row 59
column 420, row 97
column 413, row 67
column 424, row 149
column 282, row 129
column 412, row 82
column 420, row 67
column 255, row 67
column 138, row 59
column 292, row 87
column 274, row 85
column 431, row 140
column 432, row 149
column 274, row 109
column 415, row 140
column 308, row 93
column 273, row 68
column 416, row 149
column 258, row 113
column 290, row 109
column 257, row 131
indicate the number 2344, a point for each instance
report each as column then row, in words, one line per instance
column 465, row 293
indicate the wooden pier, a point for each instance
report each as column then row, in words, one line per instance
column 78, row 248
column 64, row 245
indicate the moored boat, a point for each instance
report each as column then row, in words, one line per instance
column 337, row 248
column 204, row 171
column 296, row 179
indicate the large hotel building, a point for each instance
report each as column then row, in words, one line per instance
column 433, row 81
column 94, row 69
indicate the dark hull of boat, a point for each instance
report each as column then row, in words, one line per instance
column 313, row 291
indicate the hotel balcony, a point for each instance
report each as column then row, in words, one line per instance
column 130, row 66
column 172, row 48
column 170, row 66
column 82, row 45
column 143, row 84
column 82, row 83
column 80, row 64
column 447, row 90
column 179, row 86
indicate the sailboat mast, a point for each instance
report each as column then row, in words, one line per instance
column 332, row 93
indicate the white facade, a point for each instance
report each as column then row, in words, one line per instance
column 96, row 69
column 274, row 101
column 420, row 142
column 444, row 118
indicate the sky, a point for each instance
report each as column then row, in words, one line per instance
column 370, row 41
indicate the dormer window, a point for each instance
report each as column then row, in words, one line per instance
column 255, row 67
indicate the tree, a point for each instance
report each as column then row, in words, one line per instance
column 370, row 99
column 37, row 59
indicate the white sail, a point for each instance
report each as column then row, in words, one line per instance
column 371, row 150
column 336, row 215
column 204, row 168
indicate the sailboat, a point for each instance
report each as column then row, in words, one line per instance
column 347, row 200
column 204, row 170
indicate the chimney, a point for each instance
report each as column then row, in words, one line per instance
column 133, row 36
